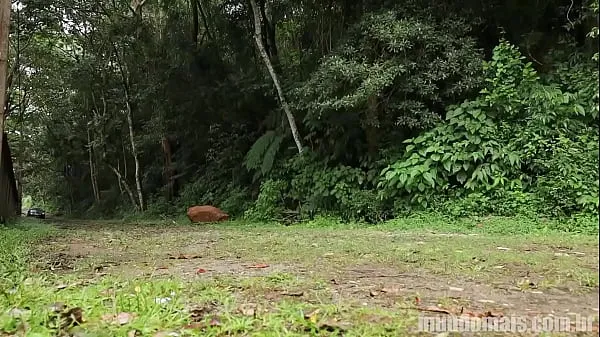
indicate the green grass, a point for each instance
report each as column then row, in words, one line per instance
column 357, row 278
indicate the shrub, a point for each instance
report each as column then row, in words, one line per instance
column 521, row 142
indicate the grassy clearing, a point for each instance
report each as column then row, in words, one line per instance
column 164, row 278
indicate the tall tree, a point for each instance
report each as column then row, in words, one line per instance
column 258, row 38
column 5, row 7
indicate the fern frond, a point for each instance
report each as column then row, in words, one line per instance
column 270, row 154
column 263, row 151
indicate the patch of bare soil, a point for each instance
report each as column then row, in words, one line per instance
column 383, row 286
column 373, row 285
column 198, row 268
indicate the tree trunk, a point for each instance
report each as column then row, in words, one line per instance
column 168, row 168
column 5, row 7
column 122, row 180
column 195, row 22
column 204, row 19
column 125, row 83
column 93, row 175
column 269, row 33
column 119, row 181
column 371, row 130
column 269, row 65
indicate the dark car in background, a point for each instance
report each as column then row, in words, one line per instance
column 36, row 213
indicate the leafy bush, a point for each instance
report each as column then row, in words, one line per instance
column 521, row 141
column 318, row 188
column 238, row 200
column 344, row 190
column 270, row 203
column 391, row 75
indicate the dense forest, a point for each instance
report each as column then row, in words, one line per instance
column 360, row 109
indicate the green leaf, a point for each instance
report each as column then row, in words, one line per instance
column 461, row 177
column 419, row 140
column 448, row 165
column 429, row 178
column 390, row 174
column 403, row 178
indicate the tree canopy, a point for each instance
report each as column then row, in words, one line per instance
column 362, row 108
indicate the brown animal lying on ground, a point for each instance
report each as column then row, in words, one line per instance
column 206, row 214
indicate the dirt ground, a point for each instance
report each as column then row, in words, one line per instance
column 379, row 269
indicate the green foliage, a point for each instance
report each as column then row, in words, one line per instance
column 15, row 239
column 391, row 74
column 262, row 154
column 237, row 201
column 207, row 123
column 594, row 32
column 502, row 202
column 569, row 182
column 346, row 191
column 519, row 136
column 270, row 203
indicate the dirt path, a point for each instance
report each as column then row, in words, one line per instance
column 367, row 268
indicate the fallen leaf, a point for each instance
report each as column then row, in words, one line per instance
column 312, row 315
column 57, row 307
column 294, row 294
column 486, row 301
column 184, row 257
column 202, row 325
column 200, row 271
column 195, row 326
column 333, row 326
column 124, row 318
column 134, row 333
column 390, row 290
column 108, row 292
column 259, row 266
column 197, row 314
column 121, row 318
column 248, row 309
column 435, row 309
column 72, row 317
